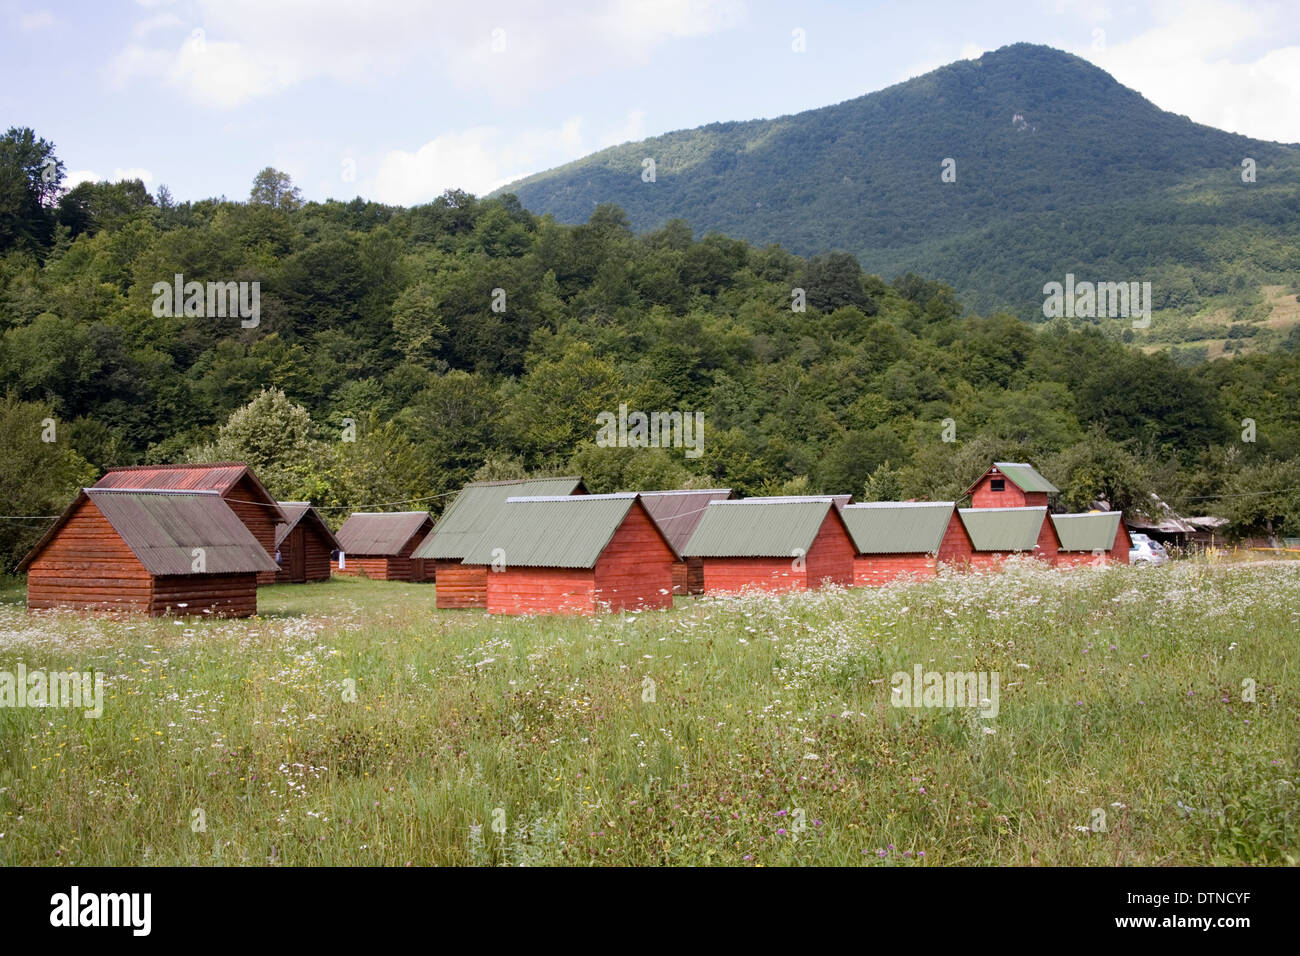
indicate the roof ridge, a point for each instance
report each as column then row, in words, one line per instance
column 604, row 497
column 154, row 491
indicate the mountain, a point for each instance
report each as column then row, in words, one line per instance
column 1059, row 168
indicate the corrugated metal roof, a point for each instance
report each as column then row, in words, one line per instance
column 840, row 500
column 898, row 527
column 679, row 512
column 1023, row 476
column 477, row 506
column 561, row 531
column 162, row 527
column 1003, row 529
column 379, row 532
column 1092, row 531
column 758, row 528
column 295, row 511
column 218, row 476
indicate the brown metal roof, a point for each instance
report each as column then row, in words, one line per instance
column 169, row 531
column 678, row 512
column 295, row 511
column 218, row 476
column 381, row 532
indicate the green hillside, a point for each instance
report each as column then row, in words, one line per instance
column 1059, row 169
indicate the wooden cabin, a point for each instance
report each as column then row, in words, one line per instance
column 1096, row 537
column 772, row 545
column 303, row 544
column 898, row 538
column 149, row 551
column 994, row 534
column 1010, row 484
column 575, row 554
column 233, row 481
column 379, row 545
column 678, row 513
column 461, row 585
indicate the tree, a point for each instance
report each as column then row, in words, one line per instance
column 275, row 438
column 31, row 177
column 274, row 188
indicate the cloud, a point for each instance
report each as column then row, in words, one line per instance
column 1209, row 60
column 76, row 176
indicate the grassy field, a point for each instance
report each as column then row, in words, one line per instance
column 766, row 738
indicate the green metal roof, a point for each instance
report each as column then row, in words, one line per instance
column 757, row 529
column 1025, row 477
column 1003, row 529
column 565, row 531
column 1094, row 531
column 477, row 506
column 898, row 527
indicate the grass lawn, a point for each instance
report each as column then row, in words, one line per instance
column 353, row 723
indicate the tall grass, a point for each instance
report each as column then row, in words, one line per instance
column 737, row 730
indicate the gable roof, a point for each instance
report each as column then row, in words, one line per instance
column 840, row 500
column 1093, row 531
column 559, row 531
column 678, row 513
column 379, row 532
column 162, row 527
column 898, row 527
column 1023, row 476
column 477, row 506
column 759, row 528
column 1003, row 529
column 219, row 477
column 294, row 512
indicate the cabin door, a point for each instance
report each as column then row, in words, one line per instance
column 298, row 555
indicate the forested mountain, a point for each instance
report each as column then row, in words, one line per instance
column 471, row 337
column 1058, row 168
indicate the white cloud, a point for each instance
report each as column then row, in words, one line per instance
column 1209, row 60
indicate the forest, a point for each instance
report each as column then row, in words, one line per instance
column 400, row 352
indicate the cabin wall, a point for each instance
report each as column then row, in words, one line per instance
column 955, row 548
column 88, row 565
column 694, row 575
column 541, row 591
column 460, row 585
column 830, row 556
column 374, row 568
column 765, row 574
column 635, row 570
column 983, row 495
column 315, row 548
column 258, row 517
column 873, row 570
column 223, row 595
column 1049, row 545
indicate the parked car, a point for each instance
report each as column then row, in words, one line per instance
column 1146, row 551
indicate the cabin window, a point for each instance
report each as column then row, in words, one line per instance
column 997, row 484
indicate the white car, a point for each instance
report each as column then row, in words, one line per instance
column 1146, row 551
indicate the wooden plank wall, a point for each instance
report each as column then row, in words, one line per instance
column 830, row 556
column 88, row 565
column 635, row 570
column 873, row 570
column 541, row 591
column 460, row 585
column 225, row 595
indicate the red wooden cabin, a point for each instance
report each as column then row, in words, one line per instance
column 773, row 545
column 575, row 554
column 233, row 481
column 461, row 585
column 1010, row 484
column 898, row 538
column 1095, row 537
column 678, row 513
column 150, row 551
column 994, row 534
column 379, row 545
column 303, row 544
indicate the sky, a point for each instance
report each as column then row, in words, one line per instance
column 397, row 101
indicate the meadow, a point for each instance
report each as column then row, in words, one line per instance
column 353, row 723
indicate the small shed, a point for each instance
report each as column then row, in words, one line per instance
column 678, row 513
column 995, row 534
column 461, row 585
column 897, row 538
column 234, row 481
column 575, row 554
column 773, row 545
column 1095, row 537
column 303, row 544
column 147, row 550
column 379, row 545
column 1011, row 484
